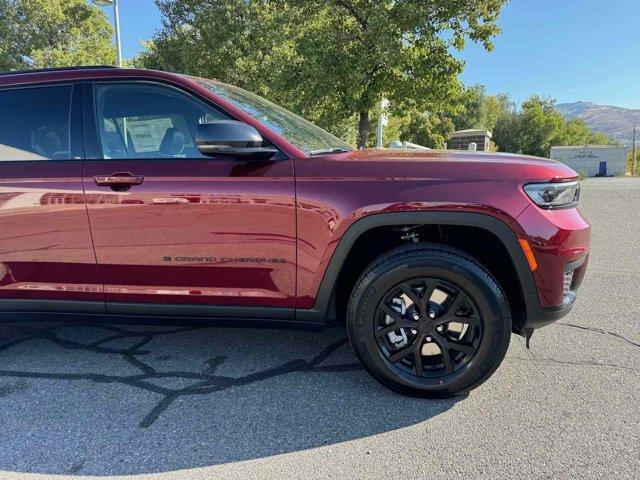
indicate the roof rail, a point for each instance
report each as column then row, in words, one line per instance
column 58, row 69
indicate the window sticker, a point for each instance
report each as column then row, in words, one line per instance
column 147, row 133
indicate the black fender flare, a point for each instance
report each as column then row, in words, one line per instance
column 501, row 230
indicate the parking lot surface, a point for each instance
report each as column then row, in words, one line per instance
column 195, row 403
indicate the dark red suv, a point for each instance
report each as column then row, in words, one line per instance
column 157, row 196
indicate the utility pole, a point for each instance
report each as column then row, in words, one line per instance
column 633, row 152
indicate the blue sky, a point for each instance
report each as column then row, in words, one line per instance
column 567, row 49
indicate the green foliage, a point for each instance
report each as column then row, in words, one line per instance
column 530, row 129
column 330, row 60
column 538, row 125
column 423, row 128
column 245, row 43
column 352, row 53
column 479, row 110
column 53, row 33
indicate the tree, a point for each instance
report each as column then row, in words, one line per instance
column 352, row 53
column 331, row 60
column 424, row 128
column 471, row 114
column 538, row 126
column 577, row 132
column 53, row 33
column 480, row 110
column 507, row 133
column 242, row 42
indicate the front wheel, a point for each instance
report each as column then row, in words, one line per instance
column 429, row 321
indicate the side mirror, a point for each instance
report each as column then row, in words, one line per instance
column 232, row 138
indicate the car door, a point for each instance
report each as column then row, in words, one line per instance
column 46, row 253
column 174, row 227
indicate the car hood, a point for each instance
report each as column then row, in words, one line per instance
column 458, row 164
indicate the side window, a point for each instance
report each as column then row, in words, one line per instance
column 138, row 120
column 34, row 123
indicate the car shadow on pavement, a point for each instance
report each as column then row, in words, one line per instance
column 111, row 399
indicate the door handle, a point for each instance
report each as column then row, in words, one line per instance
column 118, row 181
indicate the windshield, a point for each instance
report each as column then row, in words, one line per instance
column 308, row 137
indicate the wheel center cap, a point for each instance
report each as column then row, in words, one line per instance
column 429, row 326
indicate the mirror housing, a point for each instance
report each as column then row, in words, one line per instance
column 232, row 138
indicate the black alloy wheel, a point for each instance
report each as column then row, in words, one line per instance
column 425, row 336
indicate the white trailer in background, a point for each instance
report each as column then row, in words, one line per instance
column 592, row 161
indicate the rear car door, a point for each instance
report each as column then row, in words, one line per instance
column 173, row 227
column 46, row 251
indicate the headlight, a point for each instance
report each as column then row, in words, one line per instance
column 554, row 195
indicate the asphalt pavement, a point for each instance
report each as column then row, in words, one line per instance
column 195, row 403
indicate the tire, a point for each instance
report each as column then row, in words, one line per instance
column 412, row 277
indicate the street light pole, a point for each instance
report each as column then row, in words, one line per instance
column 116, row 14
column 116, row 17
column 382, row 122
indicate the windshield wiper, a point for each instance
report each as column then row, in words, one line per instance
column 331, row 150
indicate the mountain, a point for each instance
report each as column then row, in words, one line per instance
column 615, row 122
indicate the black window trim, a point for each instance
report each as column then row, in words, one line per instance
column 92, row 143
column 76, row 136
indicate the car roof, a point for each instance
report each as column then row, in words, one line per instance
column 55, row 69
column 66, row 74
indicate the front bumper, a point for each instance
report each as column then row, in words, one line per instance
column 538, row 317
column 560, row 240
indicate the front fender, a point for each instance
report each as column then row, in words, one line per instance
column 319, row 310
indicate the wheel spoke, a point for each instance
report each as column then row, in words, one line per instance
column 431, row 286
column 449, row 345
column 455, row 304
column 446, row 358
column 409, row 292
column 395, row 315
column 398, row 320
column 472, row 320
column 386, row 330
column 400, row 354
column 417, row 360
